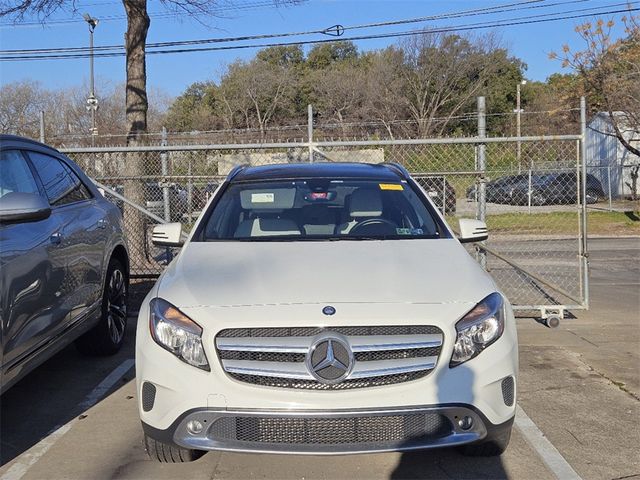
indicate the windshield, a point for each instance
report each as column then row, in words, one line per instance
column 319, row 209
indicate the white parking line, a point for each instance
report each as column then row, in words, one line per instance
column 30, row 457
column 545, row 449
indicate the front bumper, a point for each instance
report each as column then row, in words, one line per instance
column 170, row 390
column 333, row 432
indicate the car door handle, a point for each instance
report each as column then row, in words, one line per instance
column 56, row 238
column 102, row 223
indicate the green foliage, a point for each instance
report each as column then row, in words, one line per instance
column 430, row 79
column 324, row 54
column 187, row 111
column 282, row 56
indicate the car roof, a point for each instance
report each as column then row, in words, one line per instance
column 17, row 141
column 378, row 171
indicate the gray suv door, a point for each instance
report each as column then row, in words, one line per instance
column 27, row 276
column 80, row 237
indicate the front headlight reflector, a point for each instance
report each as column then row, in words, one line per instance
column 478, row 329
column 177, row 333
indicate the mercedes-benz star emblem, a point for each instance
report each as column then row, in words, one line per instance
column 328, row 310
column 330, row 359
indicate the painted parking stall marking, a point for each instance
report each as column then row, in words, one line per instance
column 29, row 458
column 545, row 449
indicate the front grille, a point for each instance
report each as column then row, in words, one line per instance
column 382, row 355
column 508, row 391
column 391, row 429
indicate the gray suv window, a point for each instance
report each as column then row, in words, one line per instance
column 60, row 182
column 15, row 175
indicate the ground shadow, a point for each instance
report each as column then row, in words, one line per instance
column 49, row 397
column 449, row 462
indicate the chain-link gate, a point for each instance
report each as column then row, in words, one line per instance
column 531, row 191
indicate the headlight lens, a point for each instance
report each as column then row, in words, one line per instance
column 478, row 329
column 177, row 333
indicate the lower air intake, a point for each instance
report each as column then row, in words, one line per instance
column 148, row 396
column 391, row 429
column 508, row 391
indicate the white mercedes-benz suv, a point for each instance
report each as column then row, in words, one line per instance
column 324, row 309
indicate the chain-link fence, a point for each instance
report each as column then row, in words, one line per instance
column 530, row 191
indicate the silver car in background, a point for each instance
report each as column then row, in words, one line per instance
column 64, row 266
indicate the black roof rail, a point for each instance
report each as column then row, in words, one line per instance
column 398, row 168
column 236, row 170
column 17, row 138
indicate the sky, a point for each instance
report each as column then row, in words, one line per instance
column 173, row 73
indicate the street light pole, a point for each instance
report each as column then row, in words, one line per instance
column 92, row 101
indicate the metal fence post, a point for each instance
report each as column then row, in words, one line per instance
column 529, row 192
column 42, row 139
column 165, row 172
column 310, row 131
column 609, row 186
column 584, row 247
column 482, row 167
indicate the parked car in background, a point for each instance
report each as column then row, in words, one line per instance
column 64, row 266
column 499, row 190
column 546, row 188
column 154, row 199
column 440, row 191
column 556, row 188
column 324, row 308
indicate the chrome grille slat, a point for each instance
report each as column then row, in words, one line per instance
column 375, row 368
column 276, row 356
column 359, row 343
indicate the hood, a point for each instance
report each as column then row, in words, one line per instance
column 329, row 272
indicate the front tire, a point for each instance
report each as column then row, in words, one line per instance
column 489, row 447
column 107, row 336
column 165, row 453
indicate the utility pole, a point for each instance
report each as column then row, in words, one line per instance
column 92, row 101
column 518, row 111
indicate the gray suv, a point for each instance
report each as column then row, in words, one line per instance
column 64, row 266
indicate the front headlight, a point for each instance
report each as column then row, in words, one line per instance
column 177, row 333
column 478, row 329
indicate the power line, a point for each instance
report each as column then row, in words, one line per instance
column 229, row 7
column 543, row 18
column 522, row 5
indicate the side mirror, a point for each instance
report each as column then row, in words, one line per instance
column 472, row 231
column 17, row 207
column 167, row 235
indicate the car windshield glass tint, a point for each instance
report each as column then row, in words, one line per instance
column 319, row 209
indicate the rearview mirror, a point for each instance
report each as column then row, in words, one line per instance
column 472, row 231
column 16, row 207
column 167, row 235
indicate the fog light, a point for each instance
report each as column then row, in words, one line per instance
column 194, row 427
column 465, row 423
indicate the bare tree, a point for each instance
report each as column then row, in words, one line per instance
column 443, row 72
column 20, row 104
column 385, row 87
column 340, row 91
column 610, row 72
column 256, row 92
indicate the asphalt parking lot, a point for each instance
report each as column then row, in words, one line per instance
column 579, row 399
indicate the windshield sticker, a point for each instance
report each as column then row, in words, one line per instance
column 409, row 231
column 262, row 198
column 391, row 186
